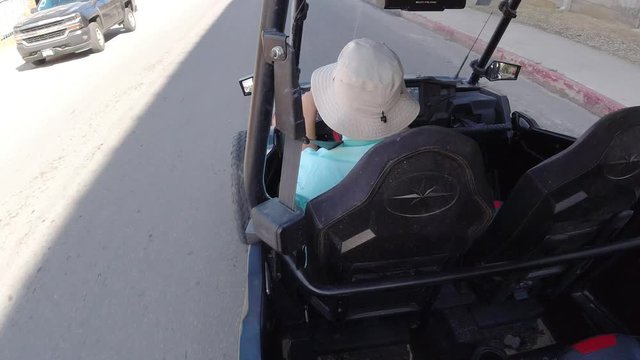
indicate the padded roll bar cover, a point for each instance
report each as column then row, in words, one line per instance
column 278, row 226
column 597, row 177
column 421, row 193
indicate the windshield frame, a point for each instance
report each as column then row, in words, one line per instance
column 49, row 4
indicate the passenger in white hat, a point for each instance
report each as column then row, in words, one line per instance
column 363, row 97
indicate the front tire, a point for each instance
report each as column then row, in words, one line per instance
column 39, row 62
column 97, row 37
column 129, row 21
column 238, row 195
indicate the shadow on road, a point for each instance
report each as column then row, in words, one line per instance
column 108, row 36
column 112, row 33
column 147, row 265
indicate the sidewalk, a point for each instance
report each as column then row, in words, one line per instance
column 595, row 80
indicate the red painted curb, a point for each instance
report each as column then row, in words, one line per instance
column 552, row 80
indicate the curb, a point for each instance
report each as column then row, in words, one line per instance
column 551, row 80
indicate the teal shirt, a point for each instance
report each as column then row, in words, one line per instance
column 322, row 169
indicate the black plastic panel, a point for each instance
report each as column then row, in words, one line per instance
column 424, row 5
column 278, row 226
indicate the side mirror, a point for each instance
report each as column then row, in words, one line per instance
column 246, row 84
column 499, row 70
column 34, row 10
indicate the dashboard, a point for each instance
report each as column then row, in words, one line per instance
column 451, row 103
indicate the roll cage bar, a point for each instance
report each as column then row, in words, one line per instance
column 277, row 69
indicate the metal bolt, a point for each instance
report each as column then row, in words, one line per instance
column 277, row 53
column 512, row 341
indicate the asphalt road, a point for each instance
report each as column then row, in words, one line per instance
column 116, row 235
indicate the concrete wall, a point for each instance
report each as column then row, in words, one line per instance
column 623, row 11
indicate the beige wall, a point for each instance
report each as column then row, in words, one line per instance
column 623, row 11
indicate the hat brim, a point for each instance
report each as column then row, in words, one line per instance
column 356, row 125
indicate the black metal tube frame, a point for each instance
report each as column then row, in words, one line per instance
column 446, row 277
column 508, row 13
column 274, row 17
column 300, row 8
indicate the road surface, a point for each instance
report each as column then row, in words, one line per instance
column 116, row 235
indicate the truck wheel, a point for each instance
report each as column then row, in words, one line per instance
column 97, row 37
column 129, row 22
column 238, row 195
column 39, row 62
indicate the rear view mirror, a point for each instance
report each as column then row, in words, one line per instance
column 499, row 70
column 424, row 5
column 246, row 84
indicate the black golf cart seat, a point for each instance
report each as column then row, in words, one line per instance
column 582, row 196
column 416, row 200
column 412, row 204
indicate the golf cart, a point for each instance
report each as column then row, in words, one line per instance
column 475, row 234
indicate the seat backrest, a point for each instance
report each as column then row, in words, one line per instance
column 565, row 202
column 415, row 200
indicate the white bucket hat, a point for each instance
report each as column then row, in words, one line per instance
column 363, row 96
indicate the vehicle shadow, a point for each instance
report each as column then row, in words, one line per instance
column 108, row 36
column 147, row 264
column 112, row 33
